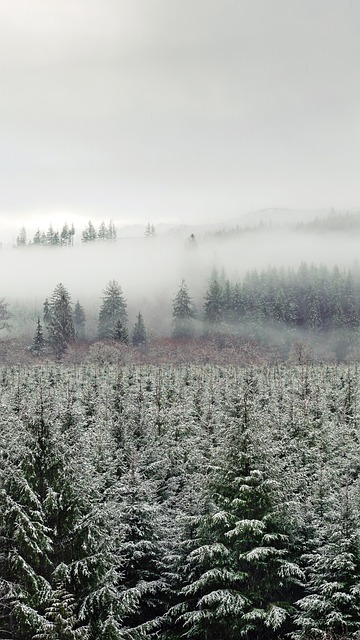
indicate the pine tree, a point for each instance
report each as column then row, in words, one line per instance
column 38, row 344
column 79, row 319
column 183, row 313
column 60, row 322
column 113, row 308
column 139, row 337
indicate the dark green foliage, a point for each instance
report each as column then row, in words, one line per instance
column 139, row 337
column 79, row 319
column 214, row 304
column 120, row 332
column 38, row 344
column 183, row 313
column 60, row 324
column 113, row 308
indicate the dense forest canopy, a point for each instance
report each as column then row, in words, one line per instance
column 163, row 502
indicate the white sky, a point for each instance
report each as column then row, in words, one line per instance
column 177, row 110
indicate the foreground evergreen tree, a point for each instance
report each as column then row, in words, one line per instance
column 113, row 308
column 183, row 313
column 331, row 608
column 139, row 337
column 240, row 580
column 60, row 323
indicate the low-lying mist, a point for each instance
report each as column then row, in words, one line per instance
column 150, row 271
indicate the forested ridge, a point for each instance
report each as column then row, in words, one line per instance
column 169, row 502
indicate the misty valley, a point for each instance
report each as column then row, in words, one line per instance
column 179, row 433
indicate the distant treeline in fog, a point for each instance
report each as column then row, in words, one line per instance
column 272, row 306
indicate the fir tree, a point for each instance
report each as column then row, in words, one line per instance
column 103, row 232
column 38, row 344
column 79, row 319
column 5, row 314
column 89, row 234
column 113, row 308
column 241, row 580
column 214, row 304
column 120, row 333
column 139, row 337
column 183, row 313
column 37, row 237
column 21, row 238
column 60, row 325
column 111, row 231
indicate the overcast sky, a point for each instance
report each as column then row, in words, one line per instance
column 177, row 110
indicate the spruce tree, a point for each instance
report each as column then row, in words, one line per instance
column 79, row 319
column 38, row 344
column 60, row 322
column 113, row 308
column 103, row 232
column 120, row 333
column 89, row 234
column 240, row 580
column 183, row 313
column 214, row 305
column 139, row 337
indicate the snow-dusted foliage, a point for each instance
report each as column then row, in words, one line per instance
column 160, row 502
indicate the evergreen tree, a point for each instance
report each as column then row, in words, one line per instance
column 50, row 235
column 139, row 337
column 183, row 313
column 38, row 344
column 21, row 238
column 89, row 234
column 214, row 304
column 113, row 308
column 150, row 231
column 37, row 237
column 79, row 319
column 120, row 332
column 65, row 236
column 5, row 315
column 240, row 580
column 103, row 232
column 111, row 231
column 60, row 325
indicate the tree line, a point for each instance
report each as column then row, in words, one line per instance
column 160, row 502
column 65, row 237
column 311, row 298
